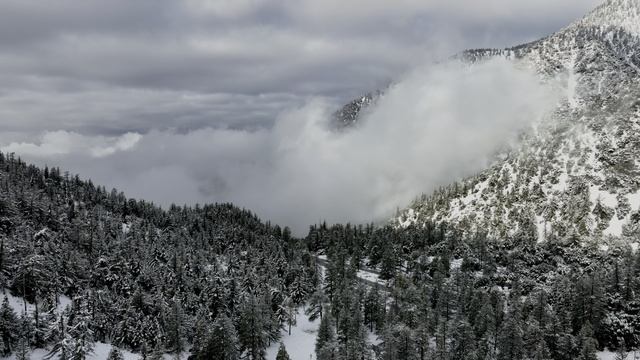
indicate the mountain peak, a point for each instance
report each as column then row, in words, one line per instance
column 623, row 14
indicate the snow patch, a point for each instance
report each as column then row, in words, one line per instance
column 608, row 355
column 301, row 343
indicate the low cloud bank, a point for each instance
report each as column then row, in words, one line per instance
column 436, row 125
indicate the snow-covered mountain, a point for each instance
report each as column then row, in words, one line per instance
column 577, row 175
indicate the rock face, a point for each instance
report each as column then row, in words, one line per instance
column 577, row 175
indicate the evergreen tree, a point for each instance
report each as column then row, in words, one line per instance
column 222, row 342
column 622, row 353
column 157, row 353
column 587, row 344
column 373, row 308
column 511, row 345
column 8, row 327
column 325, row 338
column 76, row 337
column 115, row 354
column 22, row 350
column 542, row 352
column 252, row 325
column 282, row 353
column 175, row 327
column 316, row 304
column 463, row 342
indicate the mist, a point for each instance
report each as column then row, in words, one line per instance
column 436, row 125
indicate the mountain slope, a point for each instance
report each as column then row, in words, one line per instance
column 577, row 174
column 140, row 277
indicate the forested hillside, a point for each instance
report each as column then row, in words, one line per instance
column 213, row 279
column 448, row 296
column 217, row 281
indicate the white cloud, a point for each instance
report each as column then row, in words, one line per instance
column 60, row 143
column 437, row 124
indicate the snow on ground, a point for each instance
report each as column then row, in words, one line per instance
column 634, row 200
column 17, row 303
column 410, row 218
column 606, row 198
column 373, row 339
column 609, row 200
column 301, row 343
column 456, row 264
column 63, row 302
column 608, row 355
column 615, row 226
column 369, row 277
column 100, row 352
column 541, row 226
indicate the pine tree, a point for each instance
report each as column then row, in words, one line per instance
column 587, row 344
column 325, row 337
column 115, row 354
column 542, row 352
column 22, row 351
column 622, row 353
column 222, row 342
column 389, row 259
column 157, row 353
column 463, row 341
column 25, row 333
column 282, row 353
column 373, row 308
column 252, row 332
column 511, row 339
column 75, row 338
column 399, row 343
column 8, row 327
column 315, row 309
column 175, row 327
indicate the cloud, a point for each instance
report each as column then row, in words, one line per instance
column 59, row 143
column 219, row 100
column 242, row 48
column 437, row 124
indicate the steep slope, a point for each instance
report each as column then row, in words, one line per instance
column 576, row 175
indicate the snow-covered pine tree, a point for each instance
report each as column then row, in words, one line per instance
column 282, row 353
column 115, row 354
column 587, row 344
column 221, row 342
column 317, row 302
column 326, row 337
column 252, row 334
column 8, row 327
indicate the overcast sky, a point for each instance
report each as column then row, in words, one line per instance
column 84, row 82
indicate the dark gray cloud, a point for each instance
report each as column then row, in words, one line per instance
column 83, row 82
